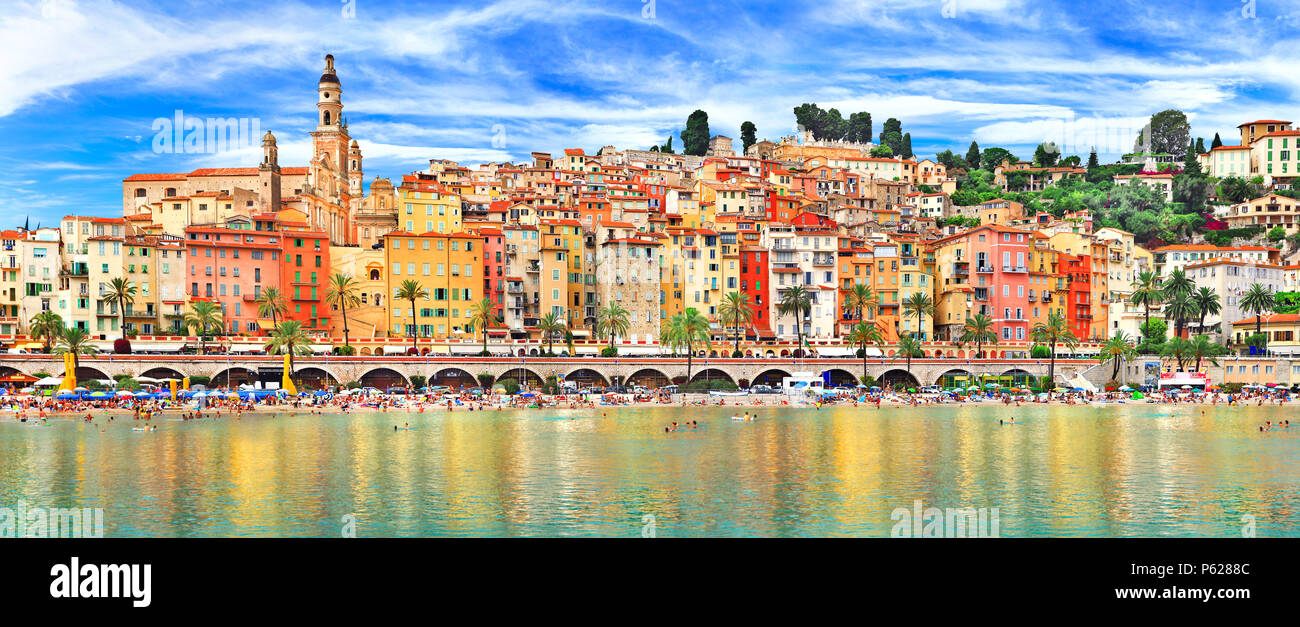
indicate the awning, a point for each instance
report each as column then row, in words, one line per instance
column 874, row 352
column 466, row 349
column 322, row 348
column 834, row 351
column 639, row 350
column 395, row 350
column 163, row 347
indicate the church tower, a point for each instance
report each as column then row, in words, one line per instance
column 330, row 139
column 268, row 175
column 354, row 170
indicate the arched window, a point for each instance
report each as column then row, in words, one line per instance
column 139, row 192
column 374, row 275
column 327, row 118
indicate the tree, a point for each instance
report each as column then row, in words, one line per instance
column 1056, row 330
column 612, row 319
column 667, row 147
column 288, row 338
column 1118, row 348
column 410, row 290
column 795, row 301
column 1146, row 292
column 918, row 304
column 1207, row 303
column 1169, row 133
column 1258, row 299
column 1180, row 308
column 907, row 146
column 686, row 330
column 122, row 294
column 695, row 138
column 1202, row 348
column 1046, row 154
column 1216, row 143
column 76, row 341
column 1178, row 348
column 909, row 347
column 892, row 135
column 950, row 160
column 549, row 325
column 272, row 305
column 834, row 125
column 483, row 314
column 977, row 331
column 859, row 128
column 860, row 300
column 1200, row 145
column 993, row 157
column 46, row 326
column 748, row 135
column 809, row 117
column 973, row 156
column 735, row 308
column 343, row 293
column 1093, row 163
column 863, row 335
column 204, row 317
column 882, row 152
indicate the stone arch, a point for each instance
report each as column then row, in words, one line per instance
column 771, row 376
column 365, row 350
column 711, row 374
column 895, row 377
column 525, row 377
column 232, row 377
column 840, row 376
column 1019, row 376
column 649, row 377
column 85, row 372
column 6, row 371
column 586, row 377
column 382, row 378
column 955, row 377
column 454, row 378
column 314, row 378
column 770, row 354
column 163, row 372
column 785, row 352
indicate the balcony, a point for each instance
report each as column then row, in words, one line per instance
column 823, row 260
column 514, row 289
column 1047, row 297
column 1014, row 269
column 984, row 269
column 533, row 268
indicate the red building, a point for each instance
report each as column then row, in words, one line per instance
column 493, row 265
column 231, row 267
column 753, row 274
column 304, row 275
column 1078, row 309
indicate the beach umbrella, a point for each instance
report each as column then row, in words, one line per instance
column 1186, row 387
column 80, row 389
column 199, row 394
column 1125, row 389
column 67, row 396
column 99, row 395
column 125, row 393
column 232, row 395
column 875, row 387
column 161, row 395
column 142, row 394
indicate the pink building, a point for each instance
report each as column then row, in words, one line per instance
column 231, row 267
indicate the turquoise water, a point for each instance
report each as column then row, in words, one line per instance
column 1128, row 470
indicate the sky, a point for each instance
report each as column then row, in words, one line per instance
column 86, row 85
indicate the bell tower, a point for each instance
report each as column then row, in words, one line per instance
column 268, row 175
column 329, row 99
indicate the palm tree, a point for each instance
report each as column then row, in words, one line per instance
column 795, row 301
column 919, row 304
column 549, row 325
column 343, row 293
column 1258, row 299
column 410, row 290
column 288, row 338
column 204, row 316
column 1177, row 283
column 614, row 320
column 1119, row 348
column 121, row 293
column 910, row 347
column 272, row 305
column 977, row 331
column 735, row 307
column 1146, row 292
column 860, row 300
column 47, row 326
column 1055, row 331
column 77, row 342
column 1180, row 308
column 482, row 315
column 1207, row 302
column 864, row 334
column 1178, row 348
column 1203, row 348
column 686, row 330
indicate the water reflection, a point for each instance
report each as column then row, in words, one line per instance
column 1133, row 470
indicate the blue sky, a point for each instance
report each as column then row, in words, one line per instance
column 82, row 81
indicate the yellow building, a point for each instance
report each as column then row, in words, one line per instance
column 448, row 266
column 367, row 267
column 425, row 206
